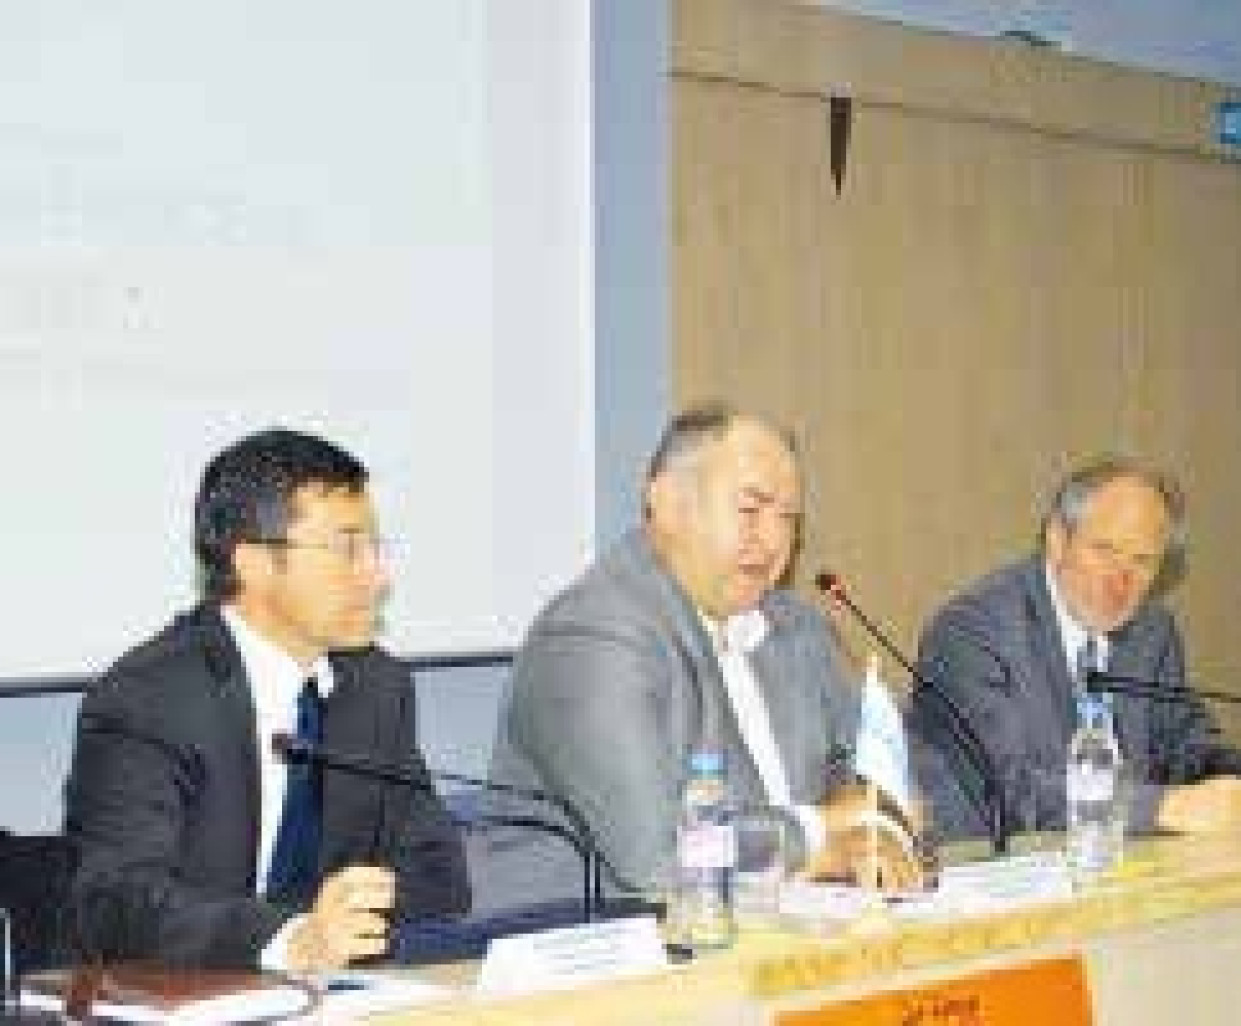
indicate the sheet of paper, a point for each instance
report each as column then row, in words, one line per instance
column 976, row 888
column 151, row 994
column 353, row 994
column 260, row 1005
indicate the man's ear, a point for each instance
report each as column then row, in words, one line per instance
column 252, row 565
column 657, row 500
column 1055, row 541
column 666, row 501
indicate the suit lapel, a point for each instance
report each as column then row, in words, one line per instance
column 718, row 720
column 351, row 727
column 1059, row 698
column 232, row 684
column 722, row 723
column 797, row 740
column 1130, row 714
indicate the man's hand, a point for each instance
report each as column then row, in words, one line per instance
column 1208, row 807
column 349, row 920
column 868, row 841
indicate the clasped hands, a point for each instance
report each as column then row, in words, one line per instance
column 870, row 842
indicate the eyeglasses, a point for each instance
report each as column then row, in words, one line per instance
column 1142, row 564
column 353, row 547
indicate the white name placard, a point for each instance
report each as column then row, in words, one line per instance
column 571, row 956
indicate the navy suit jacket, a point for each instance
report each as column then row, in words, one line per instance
column 996, row 649
column 163, row 800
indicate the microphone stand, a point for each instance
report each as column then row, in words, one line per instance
column 9, row 993
column 1119, row 684
column 294, row 750
column 995, row 811
column 582, row 840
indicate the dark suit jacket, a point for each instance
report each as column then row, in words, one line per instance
column 163, row 800
column 996, row 648
column 614, row 685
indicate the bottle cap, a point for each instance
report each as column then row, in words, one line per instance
column 706, row 763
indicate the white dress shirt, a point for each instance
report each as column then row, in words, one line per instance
column 734, row 640
column 1073, row 636
column 276, row 681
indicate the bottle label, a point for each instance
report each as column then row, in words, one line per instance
column 1087, row 784
column 708, row 846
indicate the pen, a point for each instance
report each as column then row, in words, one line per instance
column 343, row 984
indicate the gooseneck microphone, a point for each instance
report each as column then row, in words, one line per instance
column 8, row 972
column 994, row 810
column 577, row 835
column 1159, row 691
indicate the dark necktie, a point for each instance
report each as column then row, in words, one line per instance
column 1092, row 706
column 293, row 877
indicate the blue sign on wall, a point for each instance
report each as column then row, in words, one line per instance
column 1228, row 122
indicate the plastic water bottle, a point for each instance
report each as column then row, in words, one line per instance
column 1093, row 790
column 707, row 856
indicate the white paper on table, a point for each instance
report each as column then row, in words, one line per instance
column 997, row 885
column 976, row 888
column 353, row 994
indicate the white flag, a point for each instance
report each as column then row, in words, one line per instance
column 880, row 754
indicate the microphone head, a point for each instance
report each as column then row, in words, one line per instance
column 829, row 583
column 289, row 748
column 1097, row 680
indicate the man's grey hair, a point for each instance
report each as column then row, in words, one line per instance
column 691, row 430
column 1068, row 502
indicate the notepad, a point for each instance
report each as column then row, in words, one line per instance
column 977, row 888
column 351, row 995
column 154, row 994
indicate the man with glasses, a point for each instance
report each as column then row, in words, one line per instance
column 198, row 846
column 1015, row 648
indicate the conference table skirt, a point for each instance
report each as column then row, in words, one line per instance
column 1159, row 943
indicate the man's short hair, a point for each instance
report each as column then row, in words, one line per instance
column 247, row 491
column 689, row 431
column 1068, row 502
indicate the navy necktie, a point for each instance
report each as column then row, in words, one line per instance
column 1092, row 707
column 293, row 877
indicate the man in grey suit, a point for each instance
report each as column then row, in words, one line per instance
column 680, row 636
column 1011, row 650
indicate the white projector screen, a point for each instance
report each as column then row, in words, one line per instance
column 366, row 219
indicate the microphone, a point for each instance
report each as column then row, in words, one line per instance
column 995, row 813
column 8, row 972
column 1159, row 691
column 292, row 749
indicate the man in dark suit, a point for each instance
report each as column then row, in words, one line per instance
column 680, row 636
column 1011, row 651
column 188, row 835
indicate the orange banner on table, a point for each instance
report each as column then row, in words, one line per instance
column 1035, row 994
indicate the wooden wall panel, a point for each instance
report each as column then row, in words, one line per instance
column 1184, row 399
column 988, row 299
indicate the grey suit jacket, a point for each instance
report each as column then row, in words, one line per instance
column 996, row 649
column 615, row 684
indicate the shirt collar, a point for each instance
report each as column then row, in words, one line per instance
column 1073, row 635
column 269, row 667
column 741, row 632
